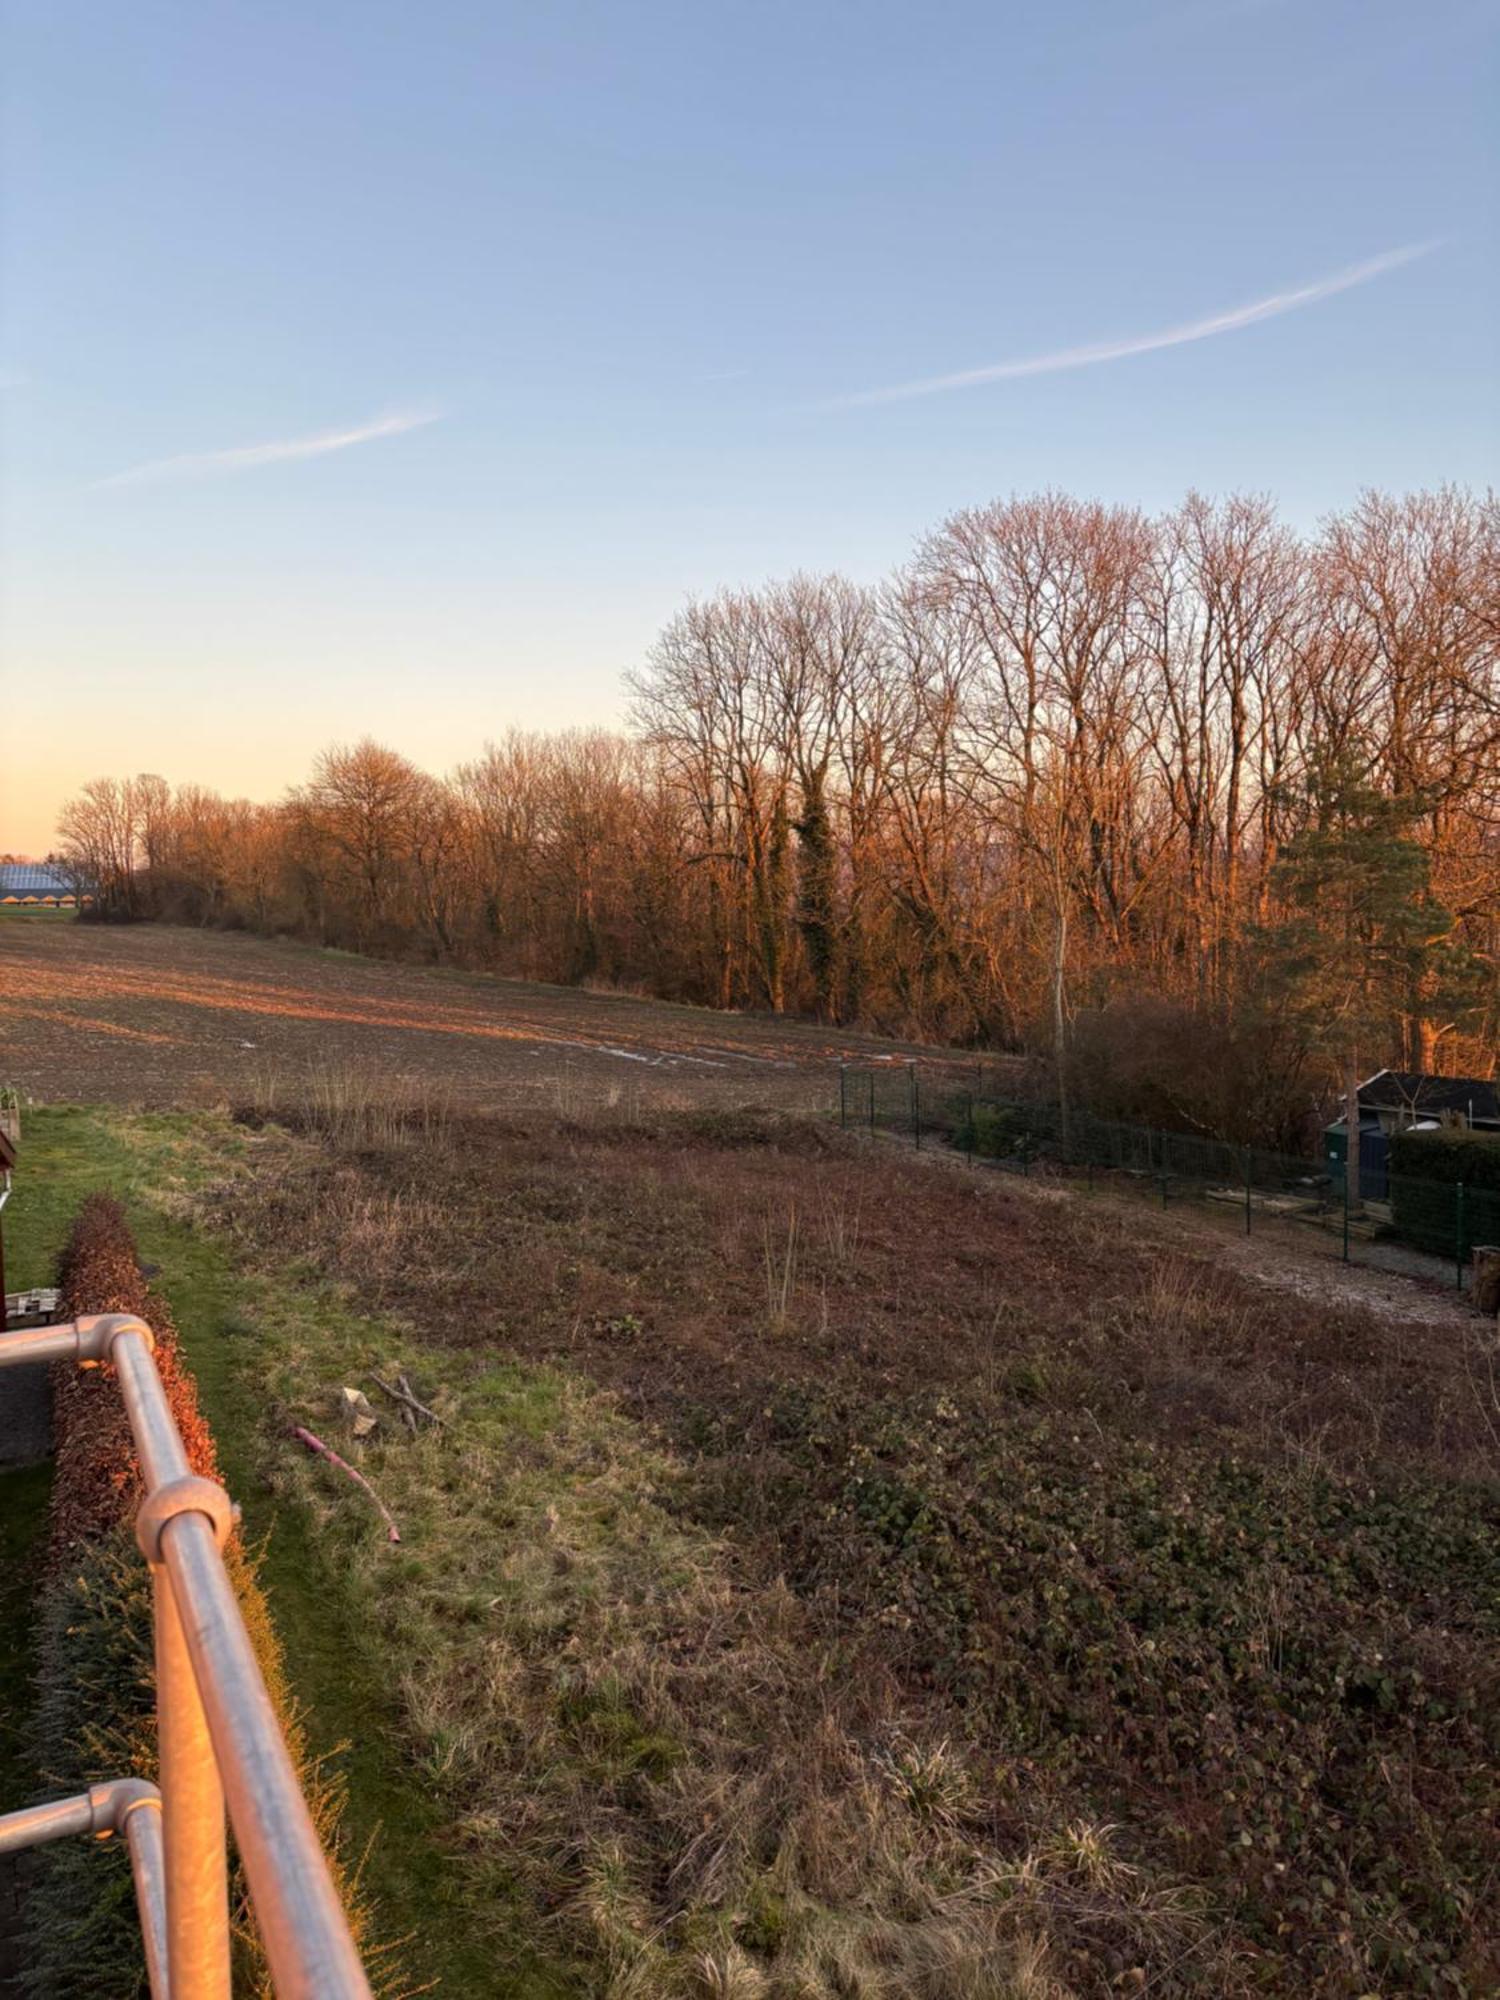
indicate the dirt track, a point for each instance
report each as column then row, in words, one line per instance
column 156, row 1016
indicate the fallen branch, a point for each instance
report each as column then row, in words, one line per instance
column 316, row 1444
column 404, row 1396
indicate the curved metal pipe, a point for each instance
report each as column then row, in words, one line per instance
column 131, row 1808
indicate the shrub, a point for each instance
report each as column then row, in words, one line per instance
column 1427, row 1170
column 97, row 1480
column 1004, row 1131
column 1451, row 1153
column 1150, row 1059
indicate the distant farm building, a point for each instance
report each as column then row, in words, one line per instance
column 37, row 885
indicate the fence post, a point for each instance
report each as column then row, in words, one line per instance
column 916, row 1107
column 1458, row 1231
column 843, row 1096
column 1249, row 1174
column 1346, row 1200
column 1163, row 1190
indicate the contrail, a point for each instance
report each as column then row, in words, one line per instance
column 1147, row 343
column 244, row 458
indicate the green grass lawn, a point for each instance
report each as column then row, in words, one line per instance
column 152, row 1162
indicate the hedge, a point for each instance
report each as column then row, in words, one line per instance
column 1427, row 1171
column 1451, row 1153
column 95, row 1715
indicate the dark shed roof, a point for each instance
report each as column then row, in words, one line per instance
column 1409, row 1090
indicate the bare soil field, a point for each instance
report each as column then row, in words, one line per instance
column 164, row 1017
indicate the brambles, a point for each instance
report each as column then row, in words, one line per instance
column 1298, row 1670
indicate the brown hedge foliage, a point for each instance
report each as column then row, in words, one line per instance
column 98, row 1479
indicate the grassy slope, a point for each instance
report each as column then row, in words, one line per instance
column 68, row 1152
column 570, row 1678
column 583, row 1678
column 1215, row 1568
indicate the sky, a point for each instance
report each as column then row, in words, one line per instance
column 399, row 369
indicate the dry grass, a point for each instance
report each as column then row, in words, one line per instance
column 354, row 1109
column 704, row 1230
column 675, row 1762
column 779, row 1262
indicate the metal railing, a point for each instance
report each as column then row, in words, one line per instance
column 218, row 1736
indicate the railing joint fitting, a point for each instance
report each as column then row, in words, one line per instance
column 113, row 1803
column 189, row 1495
column 96, row 1334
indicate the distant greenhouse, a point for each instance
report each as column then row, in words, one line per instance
column 38, row 883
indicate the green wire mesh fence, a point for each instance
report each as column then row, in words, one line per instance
column 1414, row 1219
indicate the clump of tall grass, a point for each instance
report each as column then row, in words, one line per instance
column 355, row 1108
column 779, row 1255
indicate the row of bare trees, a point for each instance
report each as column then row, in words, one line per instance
column 1056, row 759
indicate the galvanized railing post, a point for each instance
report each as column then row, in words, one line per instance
column 193, row 1829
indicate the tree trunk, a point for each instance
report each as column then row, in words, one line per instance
column 1060, row 1019
column 1351, row 1132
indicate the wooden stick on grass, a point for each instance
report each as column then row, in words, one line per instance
column 405, row 1398
column 316, row 1444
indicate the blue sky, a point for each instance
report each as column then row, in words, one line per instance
column 612, row 286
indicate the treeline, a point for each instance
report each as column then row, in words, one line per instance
column 1060, row 757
